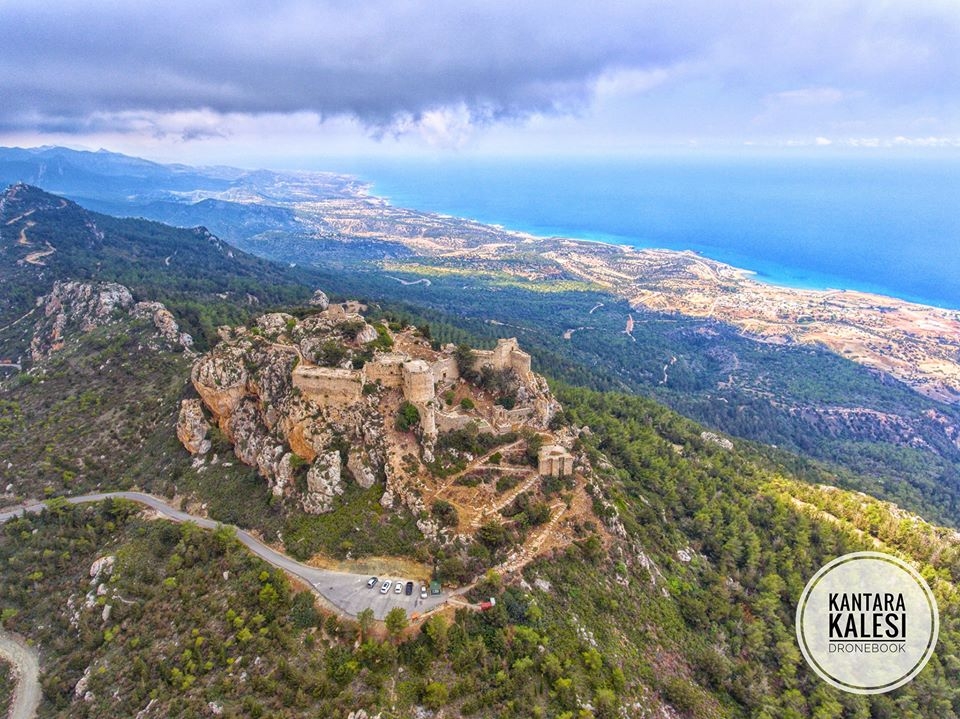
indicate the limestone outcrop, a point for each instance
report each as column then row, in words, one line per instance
column 192, row 427
column 221, row 380
column 79, row 307
column 164, row 321
column 264, row 391
column 316, row 402
column 320, row 300
column 324, row 483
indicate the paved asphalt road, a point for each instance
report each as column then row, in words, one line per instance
column 26, row 663
column 344, row 591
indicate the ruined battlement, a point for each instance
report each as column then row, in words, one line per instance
column 506, row 355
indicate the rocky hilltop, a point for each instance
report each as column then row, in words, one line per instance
column 83, row 306
column 330, row 398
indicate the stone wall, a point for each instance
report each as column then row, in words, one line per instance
column 428, row 418
column 326, row 386
column 506, row 355
column 509, row 417
column 445, row 370
column 452, row 421
column 554, row 461
column 387, row 369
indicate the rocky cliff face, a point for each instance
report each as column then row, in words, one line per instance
column 319, row 402
column 84, row 306
column 302, row 449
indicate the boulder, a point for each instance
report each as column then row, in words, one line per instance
column 320, row 300
column 192, row 427
column 220, row 378
column 103, row 565
column 363, row 474
column 367, row 334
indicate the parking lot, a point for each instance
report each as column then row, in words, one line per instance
column 351, row 594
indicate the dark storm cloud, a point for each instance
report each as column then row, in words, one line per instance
column 68, row 66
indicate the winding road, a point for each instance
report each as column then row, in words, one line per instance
column 26, row 669
column 344, row 592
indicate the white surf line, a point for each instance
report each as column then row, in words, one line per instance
column 595, row 308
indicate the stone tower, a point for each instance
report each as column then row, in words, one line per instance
column 418, row 389
column 417, row 381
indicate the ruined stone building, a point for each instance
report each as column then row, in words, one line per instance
column 506, row 355
column 417, row 379
column 554, row 461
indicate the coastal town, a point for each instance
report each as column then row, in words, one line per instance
column 916, row 344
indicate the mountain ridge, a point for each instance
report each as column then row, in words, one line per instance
column 673, row 596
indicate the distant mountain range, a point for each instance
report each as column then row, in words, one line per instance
column 235, row 204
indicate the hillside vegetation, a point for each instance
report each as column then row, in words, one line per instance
column 871, row 432
column 687, row 603
column 204, row 281
column 674, row 598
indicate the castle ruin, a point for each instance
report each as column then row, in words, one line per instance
column 328, row 386
column 505, row 356
column 418, row 380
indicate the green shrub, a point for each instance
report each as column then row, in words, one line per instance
column 445, row 513
column 407, row 418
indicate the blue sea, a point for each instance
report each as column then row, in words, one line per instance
column 889, row 225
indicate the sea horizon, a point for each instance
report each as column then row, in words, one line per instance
column 879, row 225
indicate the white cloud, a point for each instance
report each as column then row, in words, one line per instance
column 635, row 81
column 808, row 96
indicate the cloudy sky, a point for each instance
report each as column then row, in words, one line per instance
column 294, row 82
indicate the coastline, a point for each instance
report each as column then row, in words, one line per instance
column 794, row 233
column 607, row 241
column 913, row 342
